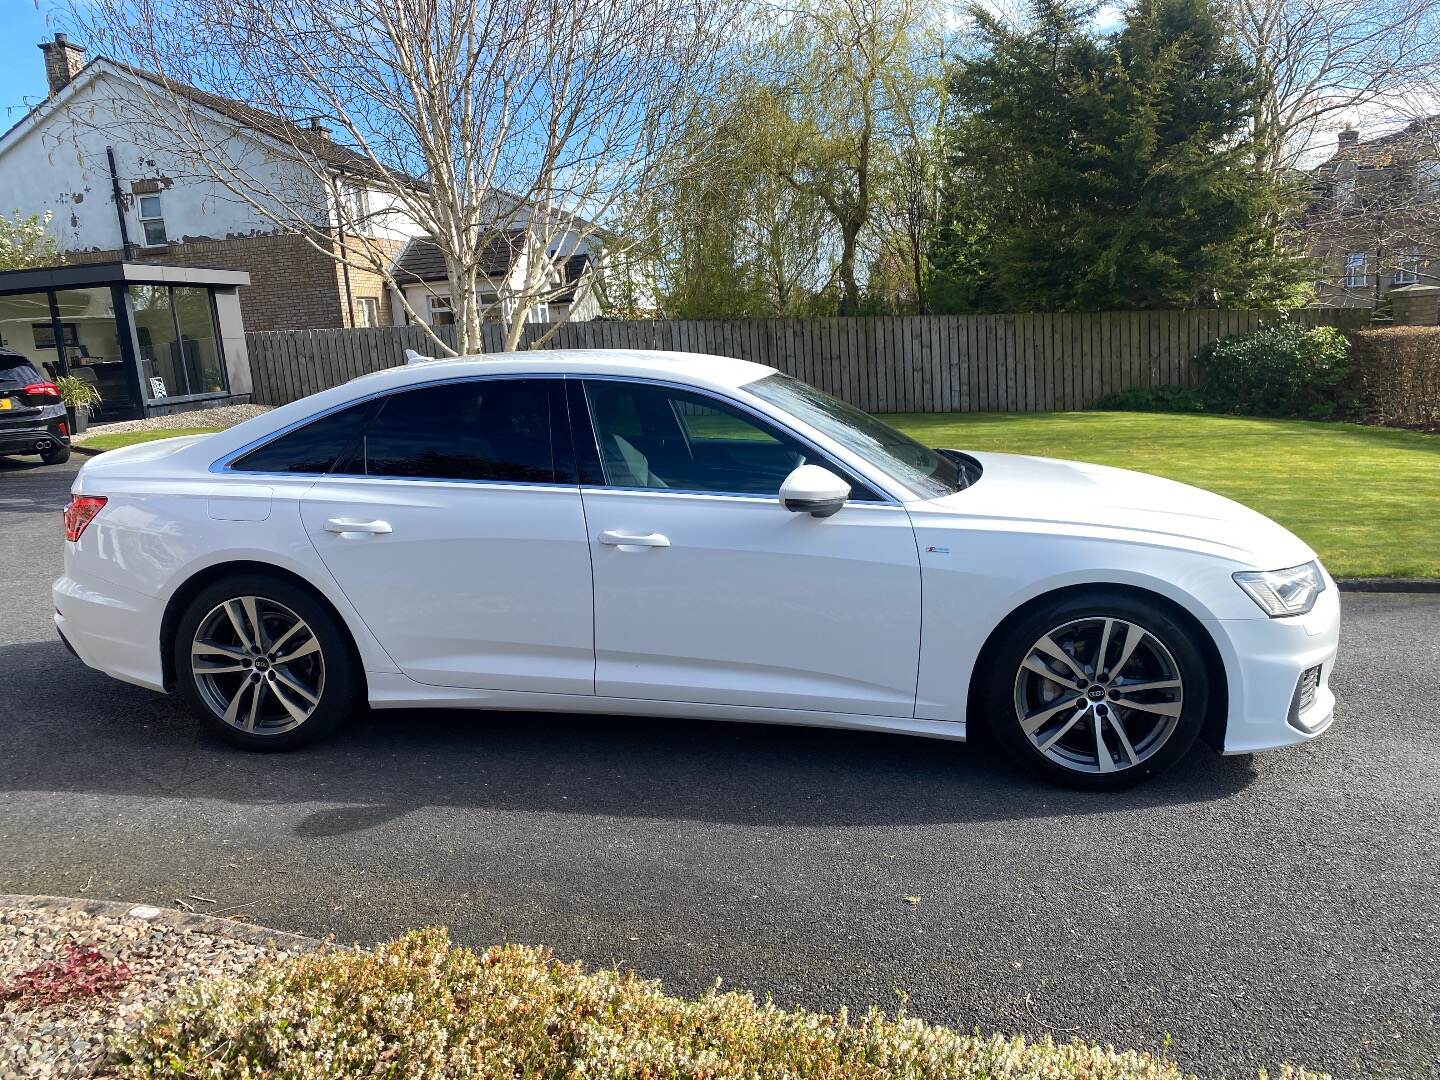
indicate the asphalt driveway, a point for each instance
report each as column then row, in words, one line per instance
column 1281, row 907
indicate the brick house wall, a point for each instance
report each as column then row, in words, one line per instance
column 367, row 284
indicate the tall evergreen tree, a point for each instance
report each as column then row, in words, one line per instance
column 1108, row 173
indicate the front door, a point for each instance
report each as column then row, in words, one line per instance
column 708, row 590
column 455, row 529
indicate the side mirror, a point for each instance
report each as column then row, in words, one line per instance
column 814, row 491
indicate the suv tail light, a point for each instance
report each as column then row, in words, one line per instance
column 79, row 512
column 41, row 390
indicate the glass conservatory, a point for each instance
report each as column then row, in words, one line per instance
column 151, row 338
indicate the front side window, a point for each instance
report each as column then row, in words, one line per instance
column 926, row 472
column 488, row 429
column 152, row 220
column 665, row 438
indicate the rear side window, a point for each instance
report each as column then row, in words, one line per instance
column 17, row 371
column 489, row 429
column 314, row 448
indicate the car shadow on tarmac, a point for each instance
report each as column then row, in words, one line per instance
column 70, row 728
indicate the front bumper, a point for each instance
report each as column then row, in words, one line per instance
column 1264, row 661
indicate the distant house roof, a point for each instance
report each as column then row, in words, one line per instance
column 1417, row 141
column 423, row 261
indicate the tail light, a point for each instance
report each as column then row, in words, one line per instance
column 79, row 512
column 42, row 390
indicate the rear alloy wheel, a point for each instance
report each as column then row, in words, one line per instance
column 264, row 663
column 56, row 455
column 1099, row 697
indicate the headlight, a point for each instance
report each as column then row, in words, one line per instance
column 1284, row 592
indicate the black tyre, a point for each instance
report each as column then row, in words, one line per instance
column 1097, row 690
column 56, row 455
column 264, row 663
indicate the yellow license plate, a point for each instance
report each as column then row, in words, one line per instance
column 4, row 403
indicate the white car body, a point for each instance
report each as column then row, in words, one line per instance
column 508, row 596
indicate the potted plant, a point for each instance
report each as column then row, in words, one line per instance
column 80, row 398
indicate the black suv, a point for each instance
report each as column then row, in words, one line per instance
column 32, row 416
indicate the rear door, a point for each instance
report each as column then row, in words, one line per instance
column 455, row 528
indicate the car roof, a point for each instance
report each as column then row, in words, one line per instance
column 698, row 368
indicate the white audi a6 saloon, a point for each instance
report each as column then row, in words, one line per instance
column 690, row 536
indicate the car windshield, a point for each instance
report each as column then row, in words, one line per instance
column 926, row 472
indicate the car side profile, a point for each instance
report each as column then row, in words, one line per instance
column 686, row 536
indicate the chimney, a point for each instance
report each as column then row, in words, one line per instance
column 317, row 125
column 63, row 62
column 1348, row 136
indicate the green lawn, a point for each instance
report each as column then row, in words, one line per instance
column 130, row 438
column 1366, row 498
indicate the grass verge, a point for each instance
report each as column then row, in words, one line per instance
column 1365, row 498
column 420, row 1007
column 130, row 438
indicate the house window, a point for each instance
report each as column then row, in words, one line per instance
column 1345, row 191
column 355, row 206
column 442, row 311
column 367, row 311
column 1357, row 270
column 152, row 220
column 1407, row 267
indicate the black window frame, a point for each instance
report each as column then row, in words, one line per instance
column 592, row 474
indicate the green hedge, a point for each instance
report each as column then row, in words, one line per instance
column 1283, row 370
column 1395, row 376
column 419, row 1007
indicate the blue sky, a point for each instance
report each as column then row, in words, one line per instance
column 22, row 69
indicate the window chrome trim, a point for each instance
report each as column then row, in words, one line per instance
column 845, row 471
column 222, row 464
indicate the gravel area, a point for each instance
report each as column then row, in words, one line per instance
column 223, row 417
column 69, row 1039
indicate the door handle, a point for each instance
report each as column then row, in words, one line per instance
column 341, row 526
column 629, row 542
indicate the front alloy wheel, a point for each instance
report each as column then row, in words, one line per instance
column 1098, row 695
column 265, row 662
column 1097, row 690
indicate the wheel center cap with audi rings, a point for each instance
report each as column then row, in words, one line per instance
column 1096, row 692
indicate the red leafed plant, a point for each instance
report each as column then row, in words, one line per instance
column 82, row 973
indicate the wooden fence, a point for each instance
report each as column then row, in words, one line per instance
column 914, row 363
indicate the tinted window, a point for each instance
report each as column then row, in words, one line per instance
column 314, row 448
column 664, row 438
column 489, row 429
column 16, row 370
